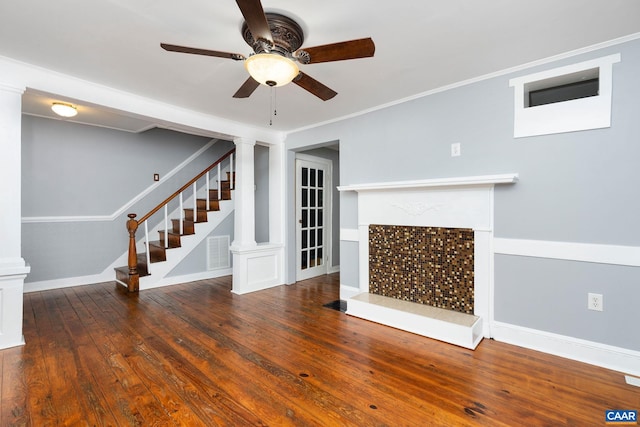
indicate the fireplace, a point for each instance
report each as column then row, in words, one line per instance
column 463, row 208
column 424, row 265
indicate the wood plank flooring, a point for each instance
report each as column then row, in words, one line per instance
column 196, row 354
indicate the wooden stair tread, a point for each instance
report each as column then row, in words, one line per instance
column 125, row 271
column 226, row 194
column 187, row 226
column 214, row 204
column 201, row 215
column 159, row 244
column 173, row 239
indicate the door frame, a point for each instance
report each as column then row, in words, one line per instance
column 328, row 217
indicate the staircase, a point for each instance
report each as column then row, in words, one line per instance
column 179, row 233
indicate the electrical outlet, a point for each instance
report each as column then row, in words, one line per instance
column 455, row 149
column 595, row 302
column 156, row 177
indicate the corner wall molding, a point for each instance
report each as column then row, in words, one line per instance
column 126, row 206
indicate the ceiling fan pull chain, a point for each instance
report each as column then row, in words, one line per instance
column 271, row 106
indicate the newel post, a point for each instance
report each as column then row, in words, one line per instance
column 132, row 226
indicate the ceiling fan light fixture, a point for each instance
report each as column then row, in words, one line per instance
column 64, row 110
column 271, row 69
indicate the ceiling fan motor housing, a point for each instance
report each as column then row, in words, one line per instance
column 286, row 33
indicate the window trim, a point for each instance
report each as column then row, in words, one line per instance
column 592, row 112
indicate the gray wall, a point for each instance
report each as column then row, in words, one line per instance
column 573, row 187
column 197, row 259
column 77, row 170
column 261, row 179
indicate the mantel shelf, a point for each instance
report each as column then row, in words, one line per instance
column 465, row 181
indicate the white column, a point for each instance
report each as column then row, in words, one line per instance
column 256, row 267
column 13, row 269
column 244, row 195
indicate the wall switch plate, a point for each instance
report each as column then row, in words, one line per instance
column 156, row 177
column 595, row 302
column 455, row 149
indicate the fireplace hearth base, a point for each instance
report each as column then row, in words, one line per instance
column 464, row 330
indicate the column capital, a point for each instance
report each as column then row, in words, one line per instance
column 243, row 140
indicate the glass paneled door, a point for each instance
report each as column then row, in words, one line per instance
column 311, row 188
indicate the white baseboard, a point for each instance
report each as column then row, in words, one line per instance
column 176, row 280
column 603, row 355
column 68, row 282
column 333, row 269
column 347, row 292
column 47, row 285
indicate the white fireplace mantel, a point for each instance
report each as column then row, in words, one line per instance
column 464, row 181
column 458, row 202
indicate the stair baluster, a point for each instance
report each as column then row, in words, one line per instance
column 182, row 217
column 148, row 244
column 166, row 226
column 206, row 191
column 195, row 201
column 219, row 188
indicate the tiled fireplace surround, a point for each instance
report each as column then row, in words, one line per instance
column 450, row 203
column 425, row 265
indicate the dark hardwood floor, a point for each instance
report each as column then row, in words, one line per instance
column 196, row 354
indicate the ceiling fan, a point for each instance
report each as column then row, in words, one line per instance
column 275, row 40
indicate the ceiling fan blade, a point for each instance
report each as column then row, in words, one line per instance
column 315, row 87
column 196, row 51
column 256, row 19
column 247, row 88
column 353, row 49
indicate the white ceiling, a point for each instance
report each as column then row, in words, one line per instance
column 421, row 45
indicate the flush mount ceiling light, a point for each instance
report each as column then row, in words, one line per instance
column 64, row 110
column 271, row 69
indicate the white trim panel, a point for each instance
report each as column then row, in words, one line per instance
column 257, row 268
column 606, row 356
column 11, row 303
column 586, row 252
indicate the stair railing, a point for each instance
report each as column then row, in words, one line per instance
column 133, row 224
